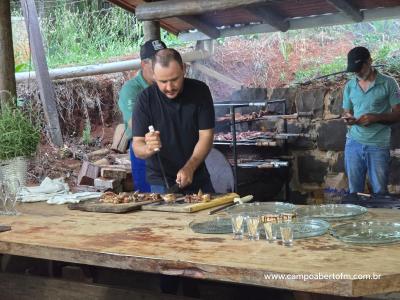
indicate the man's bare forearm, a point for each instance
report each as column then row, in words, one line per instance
column 141, row 150
column 200, row 152
column 389, row 118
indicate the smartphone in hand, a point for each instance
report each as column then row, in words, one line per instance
column 349, row 119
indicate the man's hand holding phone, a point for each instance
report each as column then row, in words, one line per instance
column 349, row 119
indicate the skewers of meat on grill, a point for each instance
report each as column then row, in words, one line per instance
column 242, row 136
column 246, row 117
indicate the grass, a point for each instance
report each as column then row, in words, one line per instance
column 82, row 38
column 321, row 69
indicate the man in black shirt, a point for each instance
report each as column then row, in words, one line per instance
column 181, row 111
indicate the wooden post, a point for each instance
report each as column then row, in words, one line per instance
column 7, row 64
column 151, row 30
column 47, row 94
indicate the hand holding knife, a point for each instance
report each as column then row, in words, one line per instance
column 160, row 164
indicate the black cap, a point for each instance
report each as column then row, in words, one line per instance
column 356, row 58
column 150, row 48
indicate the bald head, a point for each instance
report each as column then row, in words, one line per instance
column 166, row 56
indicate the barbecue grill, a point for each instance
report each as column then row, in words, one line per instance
column 258, row 159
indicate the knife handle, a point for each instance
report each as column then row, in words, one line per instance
column 151, row 129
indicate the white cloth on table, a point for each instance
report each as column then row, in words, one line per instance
column 54, row 191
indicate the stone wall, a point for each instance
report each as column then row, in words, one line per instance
column 323, row 153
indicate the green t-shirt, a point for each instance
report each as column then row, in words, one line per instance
column 128, row 94
column 380, row 97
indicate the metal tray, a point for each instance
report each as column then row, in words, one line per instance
column 368, row 232
column 331, row 211
column 261, row 207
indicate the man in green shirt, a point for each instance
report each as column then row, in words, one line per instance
column 371, row 103
column 127, row 99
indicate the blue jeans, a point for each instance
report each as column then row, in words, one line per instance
column 360, row 159
column 138, row 167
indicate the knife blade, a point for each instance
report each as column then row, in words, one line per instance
column 174, row 189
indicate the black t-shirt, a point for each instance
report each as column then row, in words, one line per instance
column 179, row 121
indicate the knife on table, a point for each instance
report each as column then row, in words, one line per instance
column 235, row 201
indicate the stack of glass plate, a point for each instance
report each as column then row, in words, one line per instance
column 212, row 225
column 304, row 228
column 331, row 211
column 368, row 232
column 261, row 207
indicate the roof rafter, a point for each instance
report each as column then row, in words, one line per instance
column 347, row 8
column 270, row 16
column 200, row 25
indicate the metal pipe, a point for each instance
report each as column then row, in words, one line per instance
column 114, row 67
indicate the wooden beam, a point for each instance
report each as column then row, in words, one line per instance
column 25, row 287
column 300, row 23
column 176, row 8
column 46, row 90
column 151, row 30
column 216, row 75
column 347, row 8
column 7, row 64
column 269, row 16
column 210, row 31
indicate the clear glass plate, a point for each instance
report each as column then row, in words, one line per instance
column 368, row 232
column 304, row 228
column 331, row 211
column 214, row 225
column 261, row 207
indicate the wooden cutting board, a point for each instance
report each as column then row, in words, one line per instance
column 97, row 206
column 216, row 200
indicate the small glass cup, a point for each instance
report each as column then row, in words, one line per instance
column 9, row 191
column 252, row 222
column 237, row 226
column 270, row 229
column 286, row 234
column 329, row 209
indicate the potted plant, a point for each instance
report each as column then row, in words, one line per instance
column 19, row 138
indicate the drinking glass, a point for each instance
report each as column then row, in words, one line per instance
column 9, row 190
column 286, row 234
column 252, row 222
column 269, row 222
column 237, row 226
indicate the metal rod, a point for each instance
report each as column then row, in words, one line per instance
column 233, row 130
column 286, row 152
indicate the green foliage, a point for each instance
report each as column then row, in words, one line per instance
column 321, row 69
column 80, row 36
column 20, row 67
column 88, row 37
column 18, row 135
column 86, row 137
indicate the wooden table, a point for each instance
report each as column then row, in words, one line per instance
column 160, row 242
